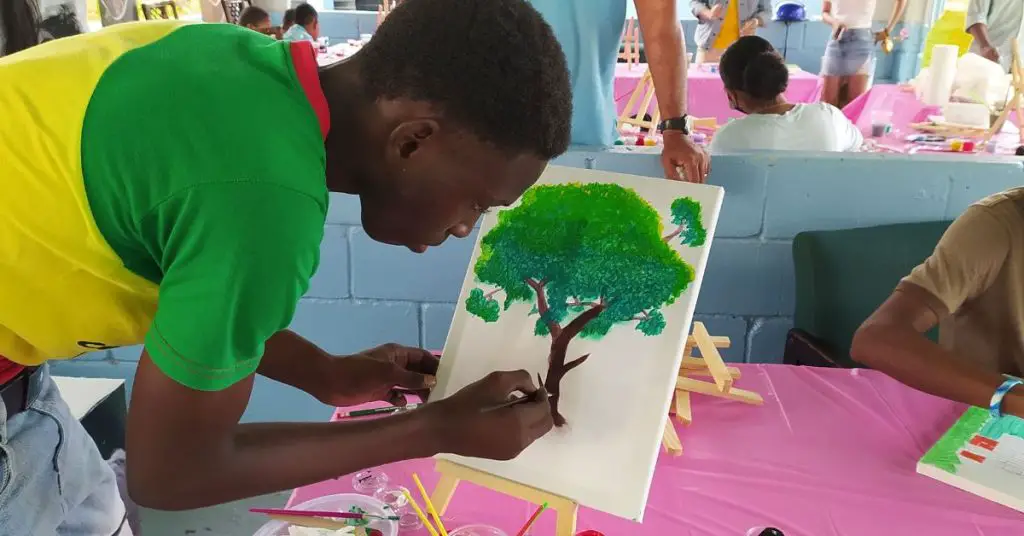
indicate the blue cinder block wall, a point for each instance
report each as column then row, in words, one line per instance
column 367, row 294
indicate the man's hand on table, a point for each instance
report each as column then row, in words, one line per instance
column 375, row 374
column 680, row 153
column 466, row 429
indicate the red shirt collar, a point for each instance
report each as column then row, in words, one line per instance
column 307, row 70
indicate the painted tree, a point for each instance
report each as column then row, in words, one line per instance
column 588, row 257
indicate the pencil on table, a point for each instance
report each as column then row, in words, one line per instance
column 419, row 512
column 430, row 506
column 532, row 519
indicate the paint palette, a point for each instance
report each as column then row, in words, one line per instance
column 342, row 502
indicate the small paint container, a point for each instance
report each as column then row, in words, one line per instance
column 477, row 530
column 369, row 482
column 395, row 500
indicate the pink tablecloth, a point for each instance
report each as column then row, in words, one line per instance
column 906, row 109
column 831, row 453
column 705, row 92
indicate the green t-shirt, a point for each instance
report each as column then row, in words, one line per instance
column 204, row 164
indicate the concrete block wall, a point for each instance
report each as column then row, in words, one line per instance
column 367, row 293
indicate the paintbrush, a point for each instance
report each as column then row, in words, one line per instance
column 518, row 400
column 319, row 513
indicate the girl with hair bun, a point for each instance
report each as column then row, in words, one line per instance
column 755, row 78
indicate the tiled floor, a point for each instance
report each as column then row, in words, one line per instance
column 232, row 519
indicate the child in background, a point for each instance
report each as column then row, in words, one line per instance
column 307, row 25
column 289, row 20
column 255, row 18
column 849, row 59
column 755, row 78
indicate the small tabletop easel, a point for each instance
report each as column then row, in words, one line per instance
column 1016, row 102
column 630, row 44
column 634, row 115
column 709, row 363
column 452, row 473
column 383, row 10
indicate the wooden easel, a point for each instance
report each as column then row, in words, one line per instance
column 630, row 44
column 645, row 92
column 383, row 10
column 709, row 363
column 1016, row 102
column 453, row 473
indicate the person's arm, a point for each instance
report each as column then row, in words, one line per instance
column 701, row 10
column 977, row 22
column 292, row 360
column 965, row 262
column 665, row 49
column 897, row 13
column 762, row 13
column 232, row 279
column 826, row 14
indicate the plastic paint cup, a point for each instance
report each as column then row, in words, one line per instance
column 477, row 530
column 881, row 123
column 370, row 481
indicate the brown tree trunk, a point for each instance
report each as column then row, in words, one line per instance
column 557, row 367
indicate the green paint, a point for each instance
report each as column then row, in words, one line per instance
column 587, row 257
column 944, row 454
column 362, row 522
column 585, row 244
column 1008, row 425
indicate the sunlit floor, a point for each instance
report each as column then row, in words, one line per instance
column 232, row 519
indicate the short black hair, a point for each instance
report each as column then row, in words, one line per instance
column 305, row 14
column 492, row 66
column 19, row 22
column 753, row 66
column 289, row 17
column 252, row 15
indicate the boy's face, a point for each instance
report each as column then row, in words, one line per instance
column 314, row 28
column 262, row 26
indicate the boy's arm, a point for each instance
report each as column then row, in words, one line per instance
column 701, row 9
column 964, row 264
column 236, row 258
column 977, row 21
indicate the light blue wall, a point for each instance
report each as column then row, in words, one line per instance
column 367, row 294
column 803, row 42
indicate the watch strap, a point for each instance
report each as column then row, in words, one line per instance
column 995, row 406
column 681, row 124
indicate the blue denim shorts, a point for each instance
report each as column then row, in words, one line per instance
column 852, row 54
column 53, row 481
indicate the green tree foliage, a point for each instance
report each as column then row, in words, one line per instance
column 588, row 257
column 687, row 218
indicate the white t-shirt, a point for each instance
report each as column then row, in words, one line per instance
column 807, row 127
column 854, row 13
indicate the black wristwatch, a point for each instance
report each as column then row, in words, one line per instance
column 681, row 124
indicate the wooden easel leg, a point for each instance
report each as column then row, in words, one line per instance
column 565, row 525
column 443, row 492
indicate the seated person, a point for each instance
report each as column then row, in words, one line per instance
column 289, row 20
column 306, row 27
column 755, row 78
column 972, row 286
column 714, row 15
column 255, row 18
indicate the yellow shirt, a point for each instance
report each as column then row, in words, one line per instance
column 730, row 30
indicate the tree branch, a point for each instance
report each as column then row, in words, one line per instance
column 643, row 316
column 542, row 306
column 673, row 234
column 576, row 326
column 492, row 293
column 575, row 363
column 577, row 303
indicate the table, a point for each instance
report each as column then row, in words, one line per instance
column 705, row 92
column 101, row 406
column 831, row 453
column 906, row 108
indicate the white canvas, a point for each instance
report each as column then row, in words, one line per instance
column 617, row 401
